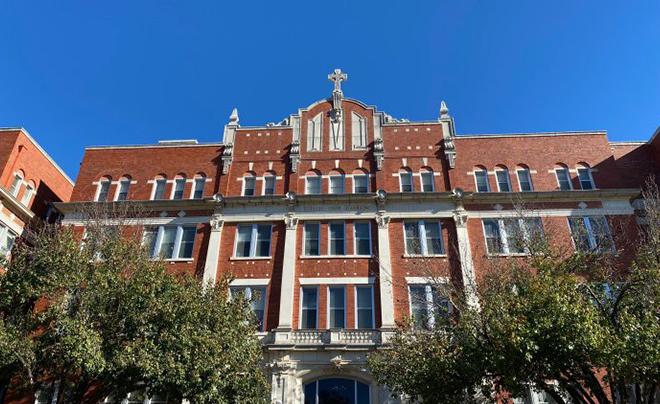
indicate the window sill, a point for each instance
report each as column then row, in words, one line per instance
column 424, row 256
column 250, row 258
column 334, row 257
column 175, row 260
column 505, row 255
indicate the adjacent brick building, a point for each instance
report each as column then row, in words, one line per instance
column 30, row 182
column 335, row 219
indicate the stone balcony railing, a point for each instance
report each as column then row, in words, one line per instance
column 338, row 337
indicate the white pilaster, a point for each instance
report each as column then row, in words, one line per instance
column 213, row 251
column 465, row 253
column 288, row 274
column 385, row 273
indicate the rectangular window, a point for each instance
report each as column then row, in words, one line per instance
column 249, row 183
column 364, row 307
column 313, row 185
column 16, row 185
column 337, row 238
column 584, row 175
column 362, row 234
column 336, row 307
column 360, row 183
column 104, row 189
column 179, row 185
column 312, row 233
column 406, row 181
column 170, row 242
column 426, row 305
column 159, row 192
column 563, row 179
column 481, row 179
column 27, row 194
column 309, row 307
column 253, row 240
column 525, row 180
column 427, row 181
column 122, row 194
column 198, row 185
column 314, row 133
column 7, row 238
column 512, row 235
column 423, row 237
column 337, row 184
column 502, row 177
column 269, row 185
column 591, row 234
column 256, row 296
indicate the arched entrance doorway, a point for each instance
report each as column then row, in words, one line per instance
column 336, row 391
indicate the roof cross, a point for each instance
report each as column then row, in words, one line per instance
column 337, row 77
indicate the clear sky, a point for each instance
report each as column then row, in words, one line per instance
column 81, row 73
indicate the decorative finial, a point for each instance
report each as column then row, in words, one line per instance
column 444, row 111
column 337, row 77
column 233, row 118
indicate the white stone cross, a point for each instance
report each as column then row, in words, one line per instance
column 337, row 77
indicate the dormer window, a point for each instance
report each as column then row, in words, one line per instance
column 585, row 177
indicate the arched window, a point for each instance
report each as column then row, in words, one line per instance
column 426, row 179
column 585, row 176
column 16, row 182
column 198, row 186
column 103, row 189
column 360, row 181
column 336, row 390
column 337, row 182
column 158, row 190
column 27, row 194
column 524, row 178
column 481, row 179
column 179, row 186
column 405, row 180
column 122, row 188
column 312, row 182
column 502, row 177
column 249, row 184
column 269, row 183
column 563, row 177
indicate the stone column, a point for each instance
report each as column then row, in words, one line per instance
column 385, row 273
column 288, row 274
column 213, row 250
column 465, row 254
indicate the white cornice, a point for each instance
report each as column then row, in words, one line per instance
column 155, row 146
column 532, row 134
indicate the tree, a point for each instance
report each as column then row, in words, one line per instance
column 580, row 327
column 105, row 319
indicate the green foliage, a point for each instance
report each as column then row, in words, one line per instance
column 107, row 316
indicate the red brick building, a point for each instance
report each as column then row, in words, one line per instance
column 30, row 182
column 326, row 217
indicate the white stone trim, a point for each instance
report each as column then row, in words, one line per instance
column 250, row 282
column 425, row 280
column 360, row 280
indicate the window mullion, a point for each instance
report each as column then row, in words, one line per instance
column 177, row 242
column 503, row 236
column 159, row 239
column 253, row 241
column 590, row 232
column 422, row 237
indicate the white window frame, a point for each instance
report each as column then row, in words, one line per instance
column 508, row 179
column 355, row 249
column 98, row 190
column 244, row 181
column 421, row 180
column 342, row 178
column 121, row 182
column 18, row 183
column 476, row 183
column 568, row 174
column 253, row 242
column 504, row 240
column 155, row 253
column 412, row 181
column 155, row 187
column 176, row 181
column 529, row 176
column 248, row 289
column 366, row 179
column 195, row 181
column 589, row 174
column 264, row 181
column 593, row 243
column 307, row 182
column 305, row 234
column 27, row 194
column 343, row 223
column 328, row 308
column 373, row 309
column 429, row 300
column 423, row 244
column 5, row 233
column 318, row 298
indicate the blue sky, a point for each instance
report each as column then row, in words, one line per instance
column 80, row 73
